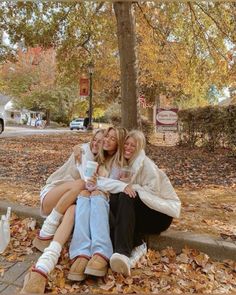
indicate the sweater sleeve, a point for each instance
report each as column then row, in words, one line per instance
column 110, row 185
column 156, row 190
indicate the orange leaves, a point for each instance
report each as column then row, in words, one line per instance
column 201, row 259
column 163, row 271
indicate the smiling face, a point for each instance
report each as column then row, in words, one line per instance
column 130, row 148
column 96, row 142
column 110, row 142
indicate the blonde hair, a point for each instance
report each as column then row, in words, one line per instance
column 139, row 137
column 94, row 135
column 118, row 157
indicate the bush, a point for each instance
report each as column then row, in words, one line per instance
column 211, row 126
column 113, row 114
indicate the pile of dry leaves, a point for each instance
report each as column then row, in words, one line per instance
column 165, row 271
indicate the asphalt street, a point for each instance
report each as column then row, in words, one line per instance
column 24, row 131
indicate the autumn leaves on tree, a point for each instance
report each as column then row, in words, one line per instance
column 149, row 48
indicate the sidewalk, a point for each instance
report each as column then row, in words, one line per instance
column 12, row 280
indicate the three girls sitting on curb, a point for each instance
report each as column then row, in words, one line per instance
column 146, row 205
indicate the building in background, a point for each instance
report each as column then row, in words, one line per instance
column 13, row 115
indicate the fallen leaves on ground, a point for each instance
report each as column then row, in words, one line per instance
column 32, row 159
column 205, row 182
column 163, row 271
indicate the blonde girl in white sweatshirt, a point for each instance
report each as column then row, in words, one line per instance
column 149, row 210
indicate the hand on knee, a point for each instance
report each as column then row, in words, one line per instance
column 84, row 193
column 97, row 193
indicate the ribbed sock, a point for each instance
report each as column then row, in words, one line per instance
column 50, row 224
column 48, row 260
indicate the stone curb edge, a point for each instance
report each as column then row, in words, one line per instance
column 215, row 248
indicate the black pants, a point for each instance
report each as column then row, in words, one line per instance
column 130, row 219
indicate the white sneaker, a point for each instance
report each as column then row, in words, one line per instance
column 137, row 253
column 120, row 263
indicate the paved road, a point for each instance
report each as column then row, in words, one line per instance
column 24, row 131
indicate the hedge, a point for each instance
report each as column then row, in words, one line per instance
column 211, row 126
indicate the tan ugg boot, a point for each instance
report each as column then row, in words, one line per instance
column 41, row 243
column 34, row 283
column 97, row 266
column 76, row 272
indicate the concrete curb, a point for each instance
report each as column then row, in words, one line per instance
column 215, row 248
column 21, row 210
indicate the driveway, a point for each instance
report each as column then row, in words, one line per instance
column 24, row 131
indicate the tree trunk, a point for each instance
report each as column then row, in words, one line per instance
column 128, row 63
column 48, row 115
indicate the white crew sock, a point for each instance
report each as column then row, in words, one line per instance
column 48, row 260
column 50, row 224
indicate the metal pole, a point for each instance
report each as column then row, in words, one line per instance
column 90, row 100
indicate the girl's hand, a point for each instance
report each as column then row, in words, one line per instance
column 129, row 191
column 93, row 180
column 78, row 153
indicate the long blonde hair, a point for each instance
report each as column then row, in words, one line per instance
column 94, row 135
column 139, row 137
column 118, row 158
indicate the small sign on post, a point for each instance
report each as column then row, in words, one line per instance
column 166, row 119
column 84, row 87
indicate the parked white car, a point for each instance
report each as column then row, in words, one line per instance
column 77, row 124
column 2, row 123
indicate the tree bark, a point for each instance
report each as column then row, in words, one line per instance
column 128, row 63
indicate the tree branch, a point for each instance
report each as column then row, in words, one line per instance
column 215, row 22
column 203, row 32
column 150, row 24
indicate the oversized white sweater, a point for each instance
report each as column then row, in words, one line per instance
column 152, row 185
column 70, row 171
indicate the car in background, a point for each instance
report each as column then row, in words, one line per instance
column 2, row 123
column 77, row 124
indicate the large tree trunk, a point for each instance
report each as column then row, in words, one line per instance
column 128, row 63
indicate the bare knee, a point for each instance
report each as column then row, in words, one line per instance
column 80, row 183
column 85, row 193
column 77, row 187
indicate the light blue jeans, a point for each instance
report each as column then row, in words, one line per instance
column 91, row 231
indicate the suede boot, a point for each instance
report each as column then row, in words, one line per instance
column 34, row 283
column 76, row 272
column 41, row 243
column 97, row 266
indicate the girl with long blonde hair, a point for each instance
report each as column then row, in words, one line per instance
column 149, row 209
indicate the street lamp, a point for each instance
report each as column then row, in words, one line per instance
column 90, row 69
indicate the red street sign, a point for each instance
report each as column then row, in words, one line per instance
column 84, row 87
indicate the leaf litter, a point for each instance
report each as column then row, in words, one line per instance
column 28, row 161
column 165, row 271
